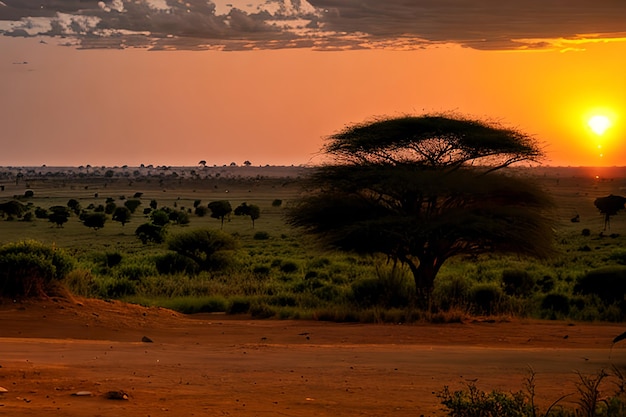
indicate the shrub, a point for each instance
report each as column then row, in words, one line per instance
column 149, row 232
column 261, row 236
column 608, row 283
column 484, row 298
column 206, row 247
column 30, row 268
column 546, row 283
column 388, row 289
column 289, row 267
column 173, row 263
column 113, row 259
column 136, row 271
column 518, row 282
column 160, row 217
column 238, row 306
column 132, row 204
column 450, row 293
column 201, row 211
column 557, row 303
column 277, row 202
column 41, row 213
column 117, row 287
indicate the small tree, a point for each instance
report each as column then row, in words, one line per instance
column 160, row 217
column 94, row 220
column 122, row 215
column 149, row 232
column 132, row 204
column 220, row 209
column 251, row 210
column 609, row 206
column 110, row 207
column 13, row 208
column 153, row 204
column 74, row 205
column 59, row 215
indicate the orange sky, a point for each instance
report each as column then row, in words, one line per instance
column 61, row 105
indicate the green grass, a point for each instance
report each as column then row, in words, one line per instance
column 284, row 274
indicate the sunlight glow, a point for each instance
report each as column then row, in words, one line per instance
column 599, row 124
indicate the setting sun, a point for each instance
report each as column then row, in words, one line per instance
column 599, row 124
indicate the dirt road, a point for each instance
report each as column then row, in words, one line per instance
column 214, row 365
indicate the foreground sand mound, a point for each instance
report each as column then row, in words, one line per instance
column 107, row 358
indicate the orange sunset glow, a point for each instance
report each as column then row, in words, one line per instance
column 269, row 91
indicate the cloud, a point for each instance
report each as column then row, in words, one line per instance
column 318, row 24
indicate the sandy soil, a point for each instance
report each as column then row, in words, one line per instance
column 214, row 365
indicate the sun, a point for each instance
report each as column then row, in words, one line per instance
column 599, row 124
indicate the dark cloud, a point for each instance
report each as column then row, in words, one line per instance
column 321, row 24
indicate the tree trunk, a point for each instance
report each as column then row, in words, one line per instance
column 424, row 275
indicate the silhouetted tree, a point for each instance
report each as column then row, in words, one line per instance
column 160, row 217
column 132, row 204
column 94, row 220
column 58, row 215
column 251, row 210
column 74, row 205
column 609, row 206
column 122, row 215
column 220, row 209
column 13, row 208
column 423, row 189
column 149, row 232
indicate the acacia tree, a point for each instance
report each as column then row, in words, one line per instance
column 422, row 189
column 220, row 209
column 122, row 215
column 609, row 206
column 251, row 210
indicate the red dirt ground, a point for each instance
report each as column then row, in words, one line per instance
column 215, row 365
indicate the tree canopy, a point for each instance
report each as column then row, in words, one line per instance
column 423, row 189
column 609, row 206
column 220, row 209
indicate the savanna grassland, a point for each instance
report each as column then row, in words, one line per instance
column 276, row 271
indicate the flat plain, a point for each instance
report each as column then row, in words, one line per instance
column 67, row 356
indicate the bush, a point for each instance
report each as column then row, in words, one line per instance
column 113, row 259
column 518, row 283
column 557, row 303
column 390, row 289
column 205, row 247
column 173, row 263
column 132, row 204
column 608, row 283
column 288, row 267
column 201, row 211
column 30, row 268
column 451, row 293
column 484, row 298
column 261, row 236
column 149, row 232
column 238, row 306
